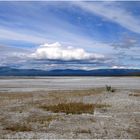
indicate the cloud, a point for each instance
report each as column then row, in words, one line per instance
column 14, row 35
column 68, row 37
column 118, row 67
column 112, row 13
column 56, row 51
column 35, row 28
column 127, row 42
column 12, row 55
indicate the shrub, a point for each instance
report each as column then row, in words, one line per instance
column 109, row 89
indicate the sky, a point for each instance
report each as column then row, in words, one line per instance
column 70, row 34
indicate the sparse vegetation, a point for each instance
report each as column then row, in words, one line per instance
column 88, row 131
column 101, row 105
column 110, row 89
column 70, row 108
column 70, row 95
column 52, row 97
column 45, row 120
column 76, row 93
column 134, row 94
column 19, row 127
column 73, row 108
column 44, row 113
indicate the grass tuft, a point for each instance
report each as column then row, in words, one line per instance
column 134, row 94
column 42, row 119
column 70, row 108
column 19, row 127
column 73, row 108
column 88, row 131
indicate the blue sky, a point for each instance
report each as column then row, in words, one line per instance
column 76, row 35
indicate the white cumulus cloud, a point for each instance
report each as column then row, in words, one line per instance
column 56, row 51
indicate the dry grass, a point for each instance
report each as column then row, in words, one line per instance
column 20, row 109
column 14, row 95
column 70, row 95
column 45, row 120
column 73, row 108
column 70, row 108
column 19, row 127
column 10, row 98
column 87, row 131
column 134, row 132
column 134, row 94
column 43, row 96
column 57, row 101
column 76, row 93
column 101, row 105
column 41, row 121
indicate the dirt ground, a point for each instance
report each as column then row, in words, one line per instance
column 21, row 115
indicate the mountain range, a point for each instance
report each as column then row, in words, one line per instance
column 8, row 71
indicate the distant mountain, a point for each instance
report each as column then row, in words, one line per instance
column 7, row 71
